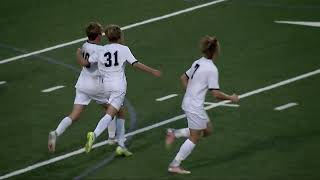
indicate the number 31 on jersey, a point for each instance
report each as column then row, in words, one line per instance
column 109, row 59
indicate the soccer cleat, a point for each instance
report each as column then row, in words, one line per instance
column 178, row 170
column 112, row 141
column 170, row 138
column 52, row 139
column 90, row 141
column 121, row 151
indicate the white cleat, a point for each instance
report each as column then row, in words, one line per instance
column 178, row 170
column 52, row 139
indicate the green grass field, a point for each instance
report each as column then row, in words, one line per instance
column 250, row 142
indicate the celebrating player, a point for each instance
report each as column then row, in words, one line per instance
column 88, row 86
column 202, row 75
column 112, row 59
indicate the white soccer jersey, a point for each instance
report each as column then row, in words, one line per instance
column 203, row 75
column 90, row 81
column 112, row 60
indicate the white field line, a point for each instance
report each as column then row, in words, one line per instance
column 123, row 28
column 166, row 97
column 52, row 89
column 2, row 82
column 250, row 93
column 302, row 23
column 227, row 105
column 286, row 106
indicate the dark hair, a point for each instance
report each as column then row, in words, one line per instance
column 93, row 30
column 113, row 32
column 209, row 46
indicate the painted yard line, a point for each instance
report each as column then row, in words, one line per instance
column 52, row 89
column 166, row 97
column 286, row 106
column 2, row 82
column 48, row 59
column 257, row 91
column 123, row 28
column 301, row 23
column 228, row 105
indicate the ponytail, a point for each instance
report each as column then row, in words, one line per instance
column 209, row 46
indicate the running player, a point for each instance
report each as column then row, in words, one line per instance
column 111, row 63
column 88, row 86
column 201, row 77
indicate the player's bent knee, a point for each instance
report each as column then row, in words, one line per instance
column 195, row 140
column 111, row 110
column 74, row 117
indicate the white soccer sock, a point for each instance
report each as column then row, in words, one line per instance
column 184, row 152
column 120, row 132
column 64, row 124
column 112, row 129
column 102, row 125
column 184, row 132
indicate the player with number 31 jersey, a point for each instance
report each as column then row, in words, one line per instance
column 112, row 60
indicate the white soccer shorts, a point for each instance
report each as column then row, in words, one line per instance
column 83, row 98
column 197, row 121
column 115, row 98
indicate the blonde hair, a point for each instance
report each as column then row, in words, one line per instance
column 113, row 32
column 209, row 46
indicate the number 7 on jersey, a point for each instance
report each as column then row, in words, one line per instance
column 196, row 67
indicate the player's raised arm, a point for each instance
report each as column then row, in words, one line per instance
column 83, row 62
column 147, row 69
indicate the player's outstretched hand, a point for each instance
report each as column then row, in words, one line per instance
column 234, row 98
column 157, row 73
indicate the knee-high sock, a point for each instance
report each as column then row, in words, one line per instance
column 112, row 129
column 184, row 152
column 184, row 132
column 102, row 125
column 120, row 132
column 63, row 125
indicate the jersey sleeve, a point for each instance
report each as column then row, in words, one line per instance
column 94, row 57
column 213, row 80
column 188, row 73
column 129, row 57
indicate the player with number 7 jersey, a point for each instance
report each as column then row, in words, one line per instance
column 112, row 59
column 201, row 77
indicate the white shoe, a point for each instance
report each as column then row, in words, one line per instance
column 178, row 170
column 52, row 139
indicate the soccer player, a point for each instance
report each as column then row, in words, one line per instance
column 201, row 77
column 87, row 87
column 111, row 63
